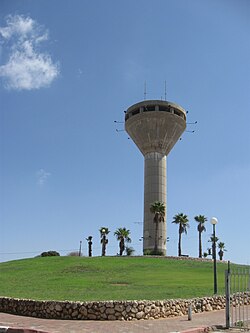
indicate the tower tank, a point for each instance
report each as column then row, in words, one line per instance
column 155, row 126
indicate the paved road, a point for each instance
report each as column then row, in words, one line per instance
column 179, row 324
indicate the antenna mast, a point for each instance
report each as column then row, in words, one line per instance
column 165, row 90
column 145, row 90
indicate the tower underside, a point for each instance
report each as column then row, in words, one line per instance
column 155, row 126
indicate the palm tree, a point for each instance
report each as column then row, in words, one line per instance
column 129, row 250
column 104, row 241
column 89, row 240
column 213, row 240
column 182, row 220
column 122, row 235
column 201, row 219
column 159, row 211
column 221, row 246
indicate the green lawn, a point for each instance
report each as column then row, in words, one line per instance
column 108, row 278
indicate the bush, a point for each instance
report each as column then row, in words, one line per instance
column 74, row 254
column 50, row 254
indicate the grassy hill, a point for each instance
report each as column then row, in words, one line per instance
column 108, row 278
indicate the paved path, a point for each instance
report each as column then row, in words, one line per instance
column 179, row 324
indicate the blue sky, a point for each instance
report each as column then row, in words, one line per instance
column 68, row 69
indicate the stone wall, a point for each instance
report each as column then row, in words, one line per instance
column 113, row 310
column 109, row 310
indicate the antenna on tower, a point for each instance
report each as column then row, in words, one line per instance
column 118, row 122
column 194, row 123
column 119, row 130
column 145, row 90
column 165, row 90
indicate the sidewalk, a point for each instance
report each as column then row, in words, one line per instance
column 199, row 323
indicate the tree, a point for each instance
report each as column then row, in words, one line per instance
column 159, row 211
column 201, row 219
column 104, row 241
column 129, row 250
column 182, row 220
column 89, row 240
column 213, row 240
column 221, row 246
column 122, row 235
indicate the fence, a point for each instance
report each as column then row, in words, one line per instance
column 237, row 298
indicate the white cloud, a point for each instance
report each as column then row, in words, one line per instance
column 26, row 66
column 42, row 176
column 17, row 25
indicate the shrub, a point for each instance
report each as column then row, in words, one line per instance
column 50, row 254
column 74, row 254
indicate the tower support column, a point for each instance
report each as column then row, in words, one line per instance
column 155, row 188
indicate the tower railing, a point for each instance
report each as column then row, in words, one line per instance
column 238, row 298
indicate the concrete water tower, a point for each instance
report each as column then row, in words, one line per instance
column 155, row 126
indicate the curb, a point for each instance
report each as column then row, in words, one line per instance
column 4, row 329
column 203, row 329
column 19, row 330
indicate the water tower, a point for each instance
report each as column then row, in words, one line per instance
column 155, row 126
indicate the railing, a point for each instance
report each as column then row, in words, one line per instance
column 237, row 298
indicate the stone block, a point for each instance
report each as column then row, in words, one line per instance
column 140, row 315
column 110, row 311
column 111, row 317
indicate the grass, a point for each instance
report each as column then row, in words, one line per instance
column 108, row 278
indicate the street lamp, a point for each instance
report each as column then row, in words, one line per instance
column 80, row 249
column 214, row 221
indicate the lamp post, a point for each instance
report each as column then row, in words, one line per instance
column 80, row 249
column 214, row 221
